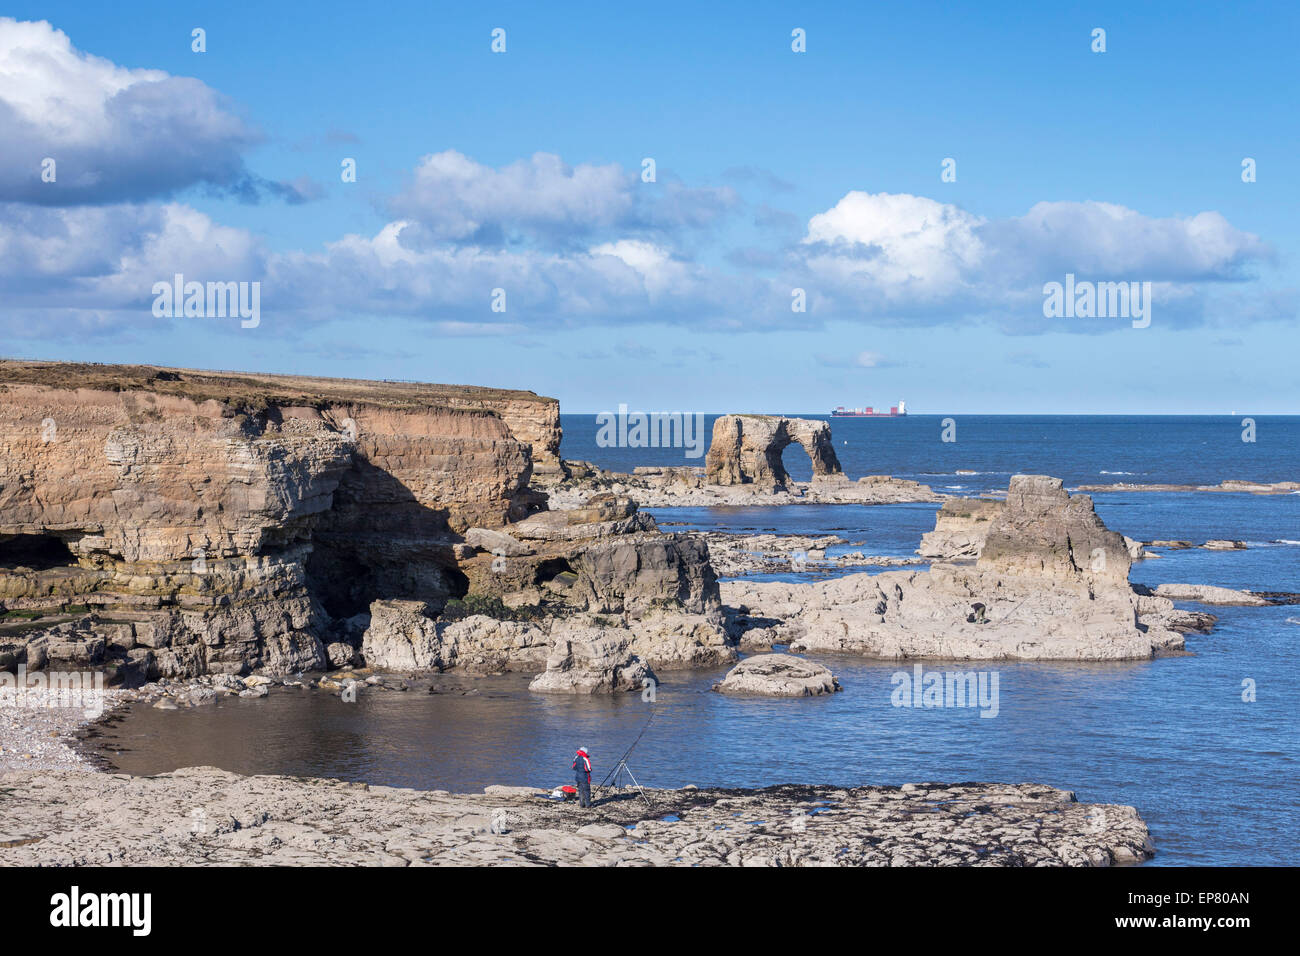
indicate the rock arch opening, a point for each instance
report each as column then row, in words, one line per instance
column 749, row 449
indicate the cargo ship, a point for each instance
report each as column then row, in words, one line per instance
column 895, row 411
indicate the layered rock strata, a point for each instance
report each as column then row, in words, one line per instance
column 170, row 522
column 406, row 636
column 960, row 529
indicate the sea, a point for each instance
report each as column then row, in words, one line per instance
column 1203, row 744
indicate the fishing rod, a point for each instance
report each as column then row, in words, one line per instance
column 621, row 765
column 623, row 759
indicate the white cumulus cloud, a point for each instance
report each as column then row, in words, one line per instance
column 115, row 134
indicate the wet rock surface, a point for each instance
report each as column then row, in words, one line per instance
column 204, row 816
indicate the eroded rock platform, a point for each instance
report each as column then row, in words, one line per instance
column 203, row 816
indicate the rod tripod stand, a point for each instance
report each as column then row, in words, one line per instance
column 620, row 768
column 611, row 778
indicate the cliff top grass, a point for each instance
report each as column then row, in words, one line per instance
column 250, row 390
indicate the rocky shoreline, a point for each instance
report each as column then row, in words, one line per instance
column 41, row 734
column 202, row 816
column 742, row 555
column 688, row 488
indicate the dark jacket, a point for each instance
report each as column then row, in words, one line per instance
column 581, row 767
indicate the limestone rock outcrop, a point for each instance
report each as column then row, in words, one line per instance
column 654, row 487
column 778, row 675
column 402, row 636
column 1039, row 529
column 78, row 818
column 746, row 450
column 603, row 557
column 1210, row 594
column 591, row 660
column 406, row 636
column 500, row 543
column 960, row 529
column 1044, row 531
column 1050, row 583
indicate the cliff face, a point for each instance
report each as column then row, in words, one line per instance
column 535, row 422
column 206, row 515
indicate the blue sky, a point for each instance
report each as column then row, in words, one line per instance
column 775, row 170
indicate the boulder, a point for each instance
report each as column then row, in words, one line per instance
column 497, row 542
column 598, row 516
column 587, row 659
column 341, row 654
column 778, row 675
column 635, row 573
column 402, row 636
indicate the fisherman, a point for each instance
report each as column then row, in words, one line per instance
column 582, row 776
column 978, row 617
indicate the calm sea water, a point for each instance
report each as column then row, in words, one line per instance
column 1215, row 777
column 1078, row 449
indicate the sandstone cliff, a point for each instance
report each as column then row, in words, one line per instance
column 173, row 522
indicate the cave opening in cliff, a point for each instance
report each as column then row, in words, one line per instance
column 551, row 569
column 40, row 552
column 347, row 581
